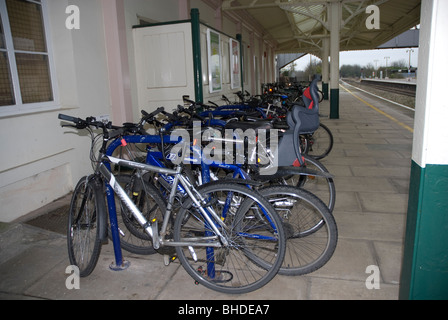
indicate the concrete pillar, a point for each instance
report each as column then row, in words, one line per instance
column 218, row 18
column 335, row 24
column 424, row 272
column 184, row 9
column 325, row 67
column 117, row 60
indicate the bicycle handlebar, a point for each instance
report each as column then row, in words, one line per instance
column 108, row 129
column 82, row 124
column 152, row 114
column 69, row 118
column 190, row 113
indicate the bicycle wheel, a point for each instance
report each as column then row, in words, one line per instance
column 253, row 231
column 83, row 232
column 321, row 95
column 310, row 228
column 323, row 188
column 133, row 237
column 320, row 142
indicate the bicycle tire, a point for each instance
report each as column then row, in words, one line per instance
column 323, row 188
column 311, row 230
column 237, row 268
column 321, row 95
column 84, row 226
column 320, row 142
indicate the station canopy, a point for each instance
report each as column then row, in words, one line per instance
column 301, row 25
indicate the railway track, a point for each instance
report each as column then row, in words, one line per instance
column 397, row 88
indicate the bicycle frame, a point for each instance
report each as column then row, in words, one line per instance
column 152, row 159
column 151, row 226
column 179, row 183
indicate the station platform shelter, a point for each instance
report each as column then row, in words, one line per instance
column 111, row 59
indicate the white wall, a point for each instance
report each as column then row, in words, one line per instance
column 40, row 162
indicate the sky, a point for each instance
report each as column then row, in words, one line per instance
column 367, row 56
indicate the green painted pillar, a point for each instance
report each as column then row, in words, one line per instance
column 334, row 104
column 197, row 62
column 325, row 87
column 424, row 273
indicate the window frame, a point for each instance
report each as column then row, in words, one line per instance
column 20, row 108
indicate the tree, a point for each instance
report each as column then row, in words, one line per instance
column 351, row 71
column 314, row 67
column 369, row 71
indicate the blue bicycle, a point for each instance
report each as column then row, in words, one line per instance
column 311, row 231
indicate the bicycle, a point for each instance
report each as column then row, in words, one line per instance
column 311, row 230
column 227, row 236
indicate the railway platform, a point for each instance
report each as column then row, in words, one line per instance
column 371, row 162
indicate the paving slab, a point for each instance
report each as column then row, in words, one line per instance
column 389, row 255
column 347, row 202
column 370, row 226
column 280, row 288
column 349, row 262
column 337, row 289
column 375, row 171
column 363, row 184
column 383, row 202
column 30, row 265
column 143, row 280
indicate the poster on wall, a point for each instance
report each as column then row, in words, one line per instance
column 235, row 64
column 214, row 61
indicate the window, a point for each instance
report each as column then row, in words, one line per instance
column 26, row 81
